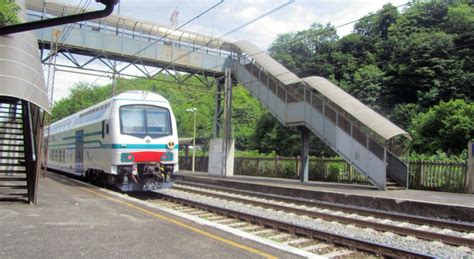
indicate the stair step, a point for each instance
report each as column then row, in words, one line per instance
column 12, row 145
column 8, row 110
column 396, row 188
column 13, row 194
column 13, row 171
column 12, row 179
column 16, row 187
column 11, row 139
column 12, row 164
column 10, row 126
column 12, row 151
column 11, row 122
column 12, row 133
column 11, row 157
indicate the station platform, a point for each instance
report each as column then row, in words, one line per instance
column 73, row 219
column 450, row 206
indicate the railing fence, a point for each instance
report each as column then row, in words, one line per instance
column 423, row 175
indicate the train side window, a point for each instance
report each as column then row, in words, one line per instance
column 103, row 129
column 107, row 129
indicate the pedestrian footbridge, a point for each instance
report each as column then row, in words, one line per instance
column 367, row 140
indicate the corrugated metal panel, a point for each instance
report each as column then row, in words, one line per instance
column 21, row 74
column 268, row 63
column 358, row 110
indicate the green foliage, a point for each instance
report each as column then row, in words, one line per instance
column 81, row 96
column 403, row 114
column 8, row 12
column 439, row 156
column 447, row 127
column 400, row 64
column 366, row 85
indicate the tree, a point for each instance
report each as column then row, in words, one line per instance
column 8, row 12
column 447, row 127
column 367, row 84
column 307, row 52
column 245, row 112
column 81, row 96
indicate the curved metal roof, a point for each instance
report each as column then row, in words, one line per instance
column 21, row 74
column 374, row 121
column 268, row 63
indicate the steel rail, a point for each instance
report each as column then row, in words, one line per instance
column 361, row 245
column 458, row 226
column 432, row 236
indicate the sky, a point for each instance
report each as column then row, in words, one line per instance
column 292, row 16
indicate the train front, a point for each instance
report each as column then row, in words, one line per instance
column 147, row 146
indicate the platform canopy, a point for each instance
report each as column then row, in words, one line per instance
column 21, row 73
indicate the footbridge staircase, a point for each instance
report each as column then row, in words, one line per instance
column 368, row 141
column 357, row 133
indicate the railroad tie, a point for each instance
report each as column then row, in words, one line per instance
column 338, row 253
column 216, row 217
column 207, row 215
column 237, row 224
column 297, row 241
column 223, row 221
column 316, row 247
column 264, row 231
column 282, row 235
column 250, row 228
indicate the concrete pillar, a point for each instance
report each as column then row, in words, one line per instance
column 221, row 161
column 470, row 168
column 304, row 169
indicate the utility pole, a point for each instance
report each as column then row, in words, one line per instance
column 51, row 78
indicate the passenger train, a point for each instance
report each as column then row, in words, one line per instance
column 130, row 141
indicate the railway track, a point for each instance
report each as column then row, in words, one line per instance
column 456, row 236
column 319, row 242
column 419, row 227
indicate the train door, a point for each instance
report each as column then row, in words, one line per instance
column 79, row 164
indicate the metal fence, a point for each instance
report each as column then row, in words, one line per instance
column 424, row 175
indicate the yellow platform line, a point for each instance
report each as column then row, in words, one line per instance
column 183, row 225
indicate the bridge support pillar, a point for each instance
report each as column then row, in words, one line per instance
column 221, row 150
column 304, row 169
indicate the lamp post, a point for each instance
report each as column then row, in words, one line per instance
column 193, row 110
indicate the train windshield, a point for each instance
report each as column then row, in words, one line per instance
column 144, row 120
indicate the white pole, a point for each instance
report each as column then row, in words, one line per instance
column 194, row 141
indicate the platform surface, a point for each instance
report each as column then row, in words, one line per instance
column 72, row 220
column 457, row 206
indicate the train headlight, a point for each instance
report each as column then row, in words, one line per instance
column 171, row 145
column 127, row 157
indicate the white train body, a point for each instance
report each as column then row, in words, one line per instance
column 131, row 140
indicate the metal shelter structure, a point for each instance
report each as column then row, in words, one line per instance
column 23, row 105
column 368, row 141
